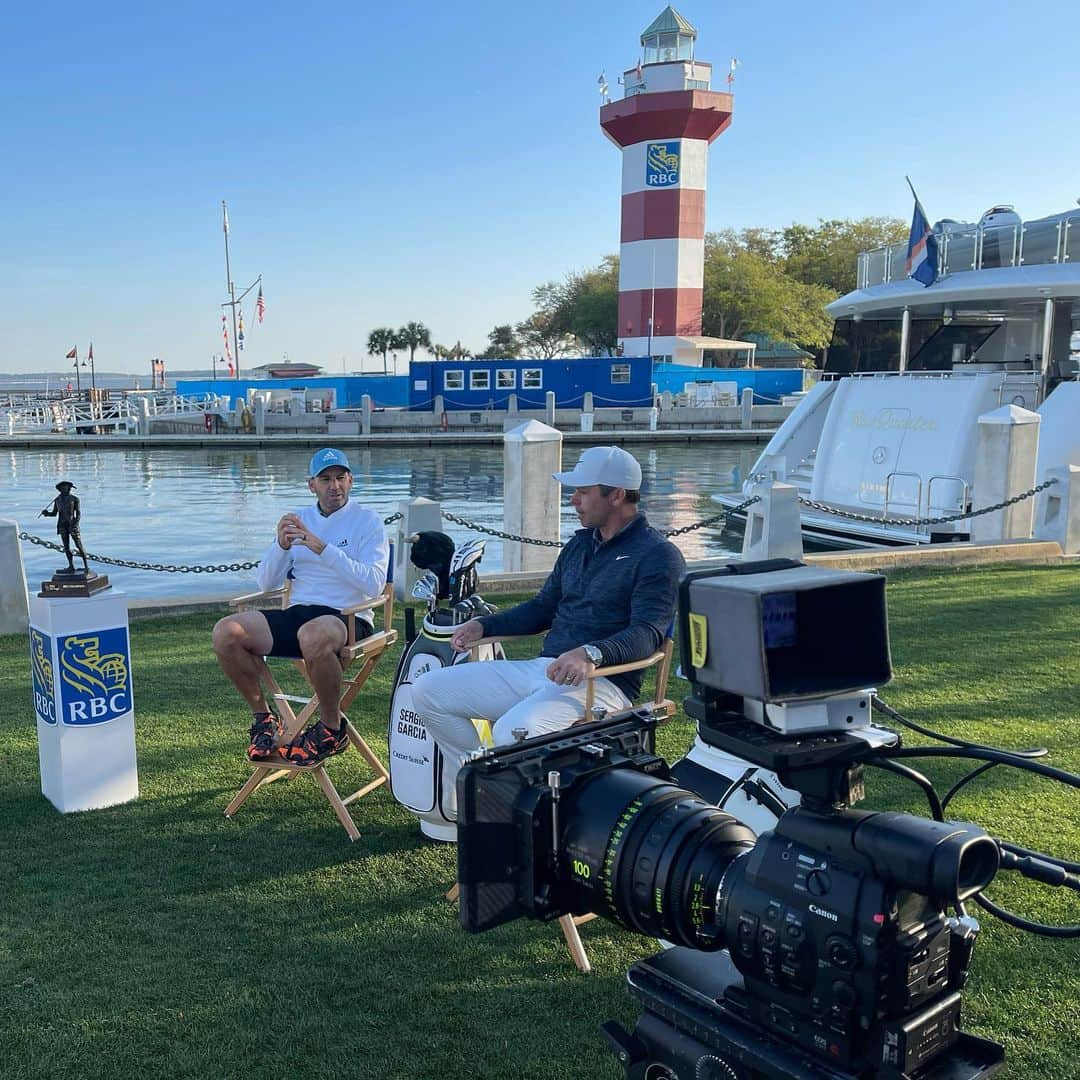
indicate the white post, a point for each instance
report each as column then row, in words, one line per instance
column 531, row 495
column 417, row 515
column 549, row 408
column 365, row 414
column 746, row 421
column 773, row 530
column 1005, row 455
column 259, row 411
column 905, row 338
column 1057, row 515
column 13, row 617
column 80, row 670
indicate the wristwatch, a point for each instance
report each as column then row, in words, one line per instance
column 594, row 654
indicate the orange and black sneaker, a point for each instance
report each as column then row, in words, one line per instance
column 266, row 729
column 315, row 744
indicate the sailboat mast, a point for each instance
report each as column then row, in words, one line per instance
column 231, row 287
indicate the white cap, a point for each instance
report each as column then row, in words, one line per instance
column 608, row 465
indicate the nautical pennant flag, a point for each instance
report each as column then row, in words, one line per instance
column 232, row 370
column 260, row 306
column 735, row 62
column 90, row 354
column 922, row 252
column 240, row 333
column 225, row 338
column 73, row 355
column 637, row 70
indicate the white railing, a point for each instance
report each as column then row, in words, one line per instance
column 981, row 248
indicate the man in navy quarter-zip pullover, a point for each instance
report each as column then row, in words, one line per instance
column 609, row 599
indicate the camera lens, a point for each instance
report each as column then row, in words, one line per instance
column 649, row 855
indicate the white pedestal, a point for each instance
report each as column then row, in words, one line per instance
column 80, row 662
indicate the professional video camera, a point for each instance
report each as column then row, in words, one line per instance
column 842, row 959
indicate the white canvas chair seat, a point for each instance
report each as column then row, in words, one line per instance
column 358, row 659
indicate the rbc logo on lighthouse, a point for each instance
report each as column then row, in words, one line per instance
column 662, row 164
column 94, row 676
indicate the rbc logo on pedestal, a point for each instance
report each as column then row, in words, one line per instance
column 41, row 676
column 95, row 680
column 662, row 164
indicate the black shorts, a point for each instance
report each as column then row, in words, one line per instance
column 284, row 626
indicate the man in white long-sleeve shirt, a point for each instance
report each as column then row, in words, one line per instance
column 335, row 553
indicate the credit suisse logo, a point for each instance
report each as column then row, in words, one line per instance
column 95, row 676
column 662, row 160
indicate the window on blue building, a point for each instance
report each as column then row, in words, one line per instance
column 505, row 379
column 453, row 380
column 620, row 373
column 532, row 378
column 480, row 380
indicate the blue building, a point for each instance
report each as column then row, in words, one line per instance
column 328, row 391
column 614, row 381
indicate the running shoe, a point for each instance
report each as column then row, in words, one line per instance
column 266, row 729
column 316, row 744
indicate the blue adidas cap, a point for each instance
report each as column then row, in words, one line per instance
column 325, row 459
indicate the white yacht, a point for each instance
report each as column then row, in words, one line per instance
column 890, row 429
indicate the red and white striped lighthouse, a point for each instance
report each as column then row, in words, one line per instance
column 663, row 125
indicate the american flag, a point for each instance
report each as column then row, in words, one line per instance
column 260, row 306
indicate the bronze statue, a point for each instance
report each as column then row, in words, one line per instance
column 65, row 508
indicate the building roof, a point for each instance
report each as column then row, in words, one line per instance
column 284, row 370
column 669, row 21
column 770, row 349
column 717, row 343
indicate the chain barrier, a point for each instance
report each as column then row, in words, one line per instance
column 477, row 527
column 943, row 520
column 167, row 568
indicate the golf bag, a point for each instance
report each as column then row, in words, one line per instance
column 417, row 773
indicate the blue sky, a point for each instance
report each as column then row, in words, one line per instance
column 435, row 162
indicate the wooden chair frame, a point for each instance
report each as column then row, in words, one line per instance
column 367, row 652
column 661, row 705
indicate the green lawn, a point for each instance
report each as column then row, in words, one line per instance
column 158, row 939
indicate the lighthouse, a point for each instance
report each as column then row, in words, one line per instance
column 663, row 125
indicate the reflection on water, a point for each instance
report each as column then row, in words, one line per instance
column 203, row 506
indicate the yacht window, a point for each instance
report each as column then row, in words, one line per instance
column 873, row 344
column 950, row 345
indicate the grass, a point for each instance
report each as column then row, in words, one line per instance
column 158, row 939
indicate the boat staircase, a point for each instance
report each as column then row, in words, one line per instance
column 802, row 476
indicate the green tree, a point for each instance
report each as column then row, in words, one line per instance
column 502, row 344
column 380, row 341
column 542, row 335
column 827, row 253
column 413, row 336
column 745, row 292
column 584, row 306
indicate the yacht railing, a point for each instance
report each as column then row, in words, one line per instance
column 981, row 248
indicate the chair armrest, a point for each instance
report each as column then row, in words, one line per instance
column 249, row 599
column 633, row 665
column 474, row 648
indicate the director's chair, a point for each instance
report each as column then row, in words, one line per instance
column 661, row 705
column 358, row 659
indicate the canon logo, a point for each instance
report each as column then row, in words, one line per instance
column 830, row 915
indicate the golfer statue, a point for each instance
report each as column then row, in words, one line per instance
column 65, row 508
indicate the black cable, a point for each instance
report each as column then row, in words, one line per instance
column 937, row 807
column 984, row 753
column 966, row 779
column 1042, row 929
column 889, row 711
column 1017, row 849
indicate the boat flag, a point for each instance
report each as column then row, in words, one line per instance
column 90, row 354
column 73, row 355
column 922, row 252
column 260, row 306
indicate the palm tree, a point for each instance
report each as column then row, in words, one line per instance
column 413, row 336
column 381, row 340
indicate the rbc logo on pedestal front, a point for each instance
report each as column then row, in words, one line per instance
column 662, row 164
column 95, row 676
column 41, row 676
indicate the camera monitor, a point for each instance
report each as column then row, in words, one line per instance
column 779, row 635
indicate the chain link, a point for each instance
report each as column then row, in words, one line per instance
column 477, row 527
column 167, row 568
column 943, row 520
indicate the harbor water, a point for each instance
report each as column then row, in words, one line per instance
column 204, row 506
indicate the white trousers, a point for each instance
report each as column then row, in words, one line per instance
column 509, row 693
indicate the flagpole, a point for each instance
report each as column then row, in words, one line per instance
column 229, row 285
